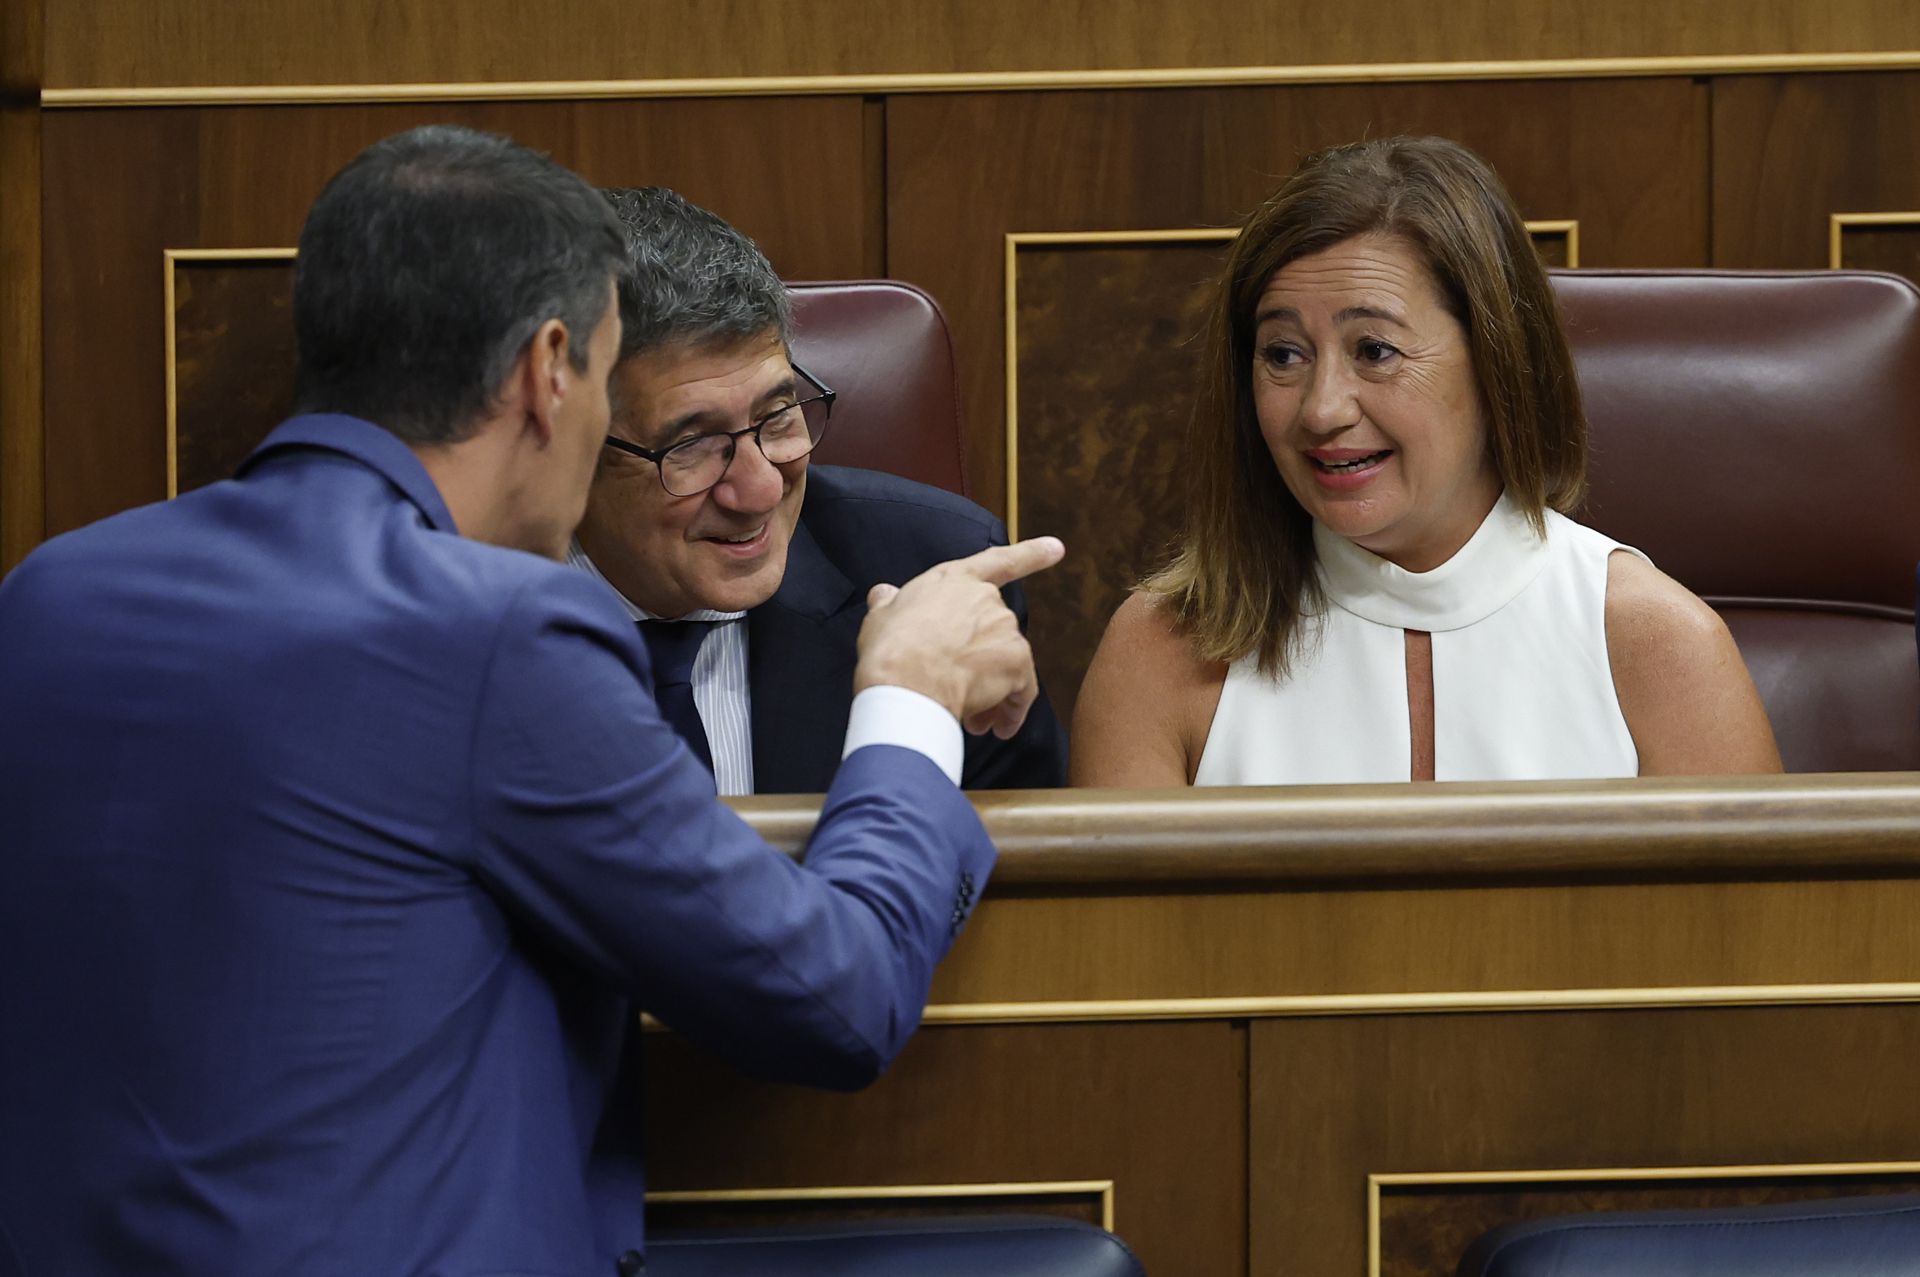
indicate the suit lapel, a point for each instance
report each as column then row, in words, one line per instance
column 800, row 659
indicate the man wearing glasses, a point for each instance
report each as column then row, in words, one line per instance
column 746, row 572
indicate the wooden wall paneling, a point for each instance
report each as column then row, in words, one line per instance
column 201, row 42
column 1158, row 1109
column 1041, row 947
column 1108, row 350
column 22, row 520
column 233, row 361
column 1791, row 151
column 1334, row 1101
column 124, row 186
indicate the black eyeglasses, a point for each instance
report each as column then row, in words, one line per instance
column 789, row 433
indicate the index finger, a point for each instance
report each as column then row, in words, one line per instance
column 1005, row 564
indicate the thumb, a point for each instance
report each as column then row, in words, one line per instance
column 881, row 595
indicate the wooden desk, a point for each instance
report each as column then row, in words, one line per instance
column 1343, row 1030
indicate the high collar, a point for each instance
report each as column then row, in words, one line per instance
column 1501, row 559
column 372, row 446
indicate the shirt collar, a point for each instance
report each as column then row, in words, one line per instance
column 578, row 558
column 376, row 448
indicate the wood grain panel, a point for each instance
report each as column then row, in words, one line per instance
column 1424, row 1228
column 233, row 363
column 1280, row 943
column 1789, row 151
column 1108, row 353
column 1627, row 158
column 1158, row 1109
column 1333, row 1101
column 127, row 185
column 1894, row 249
column 110, row 42
column 22, row 521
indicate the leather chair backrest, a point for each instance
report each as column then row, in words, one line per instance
column 883, row 346
column 1849, row 1237
column 1758, row 436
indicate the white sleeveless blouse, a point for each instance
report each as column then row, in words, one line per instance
column 1522, row 688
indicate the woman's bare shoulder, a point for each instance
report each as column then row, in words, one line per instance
column 1682, row 683
column 1145, row 633
column 1147, row 702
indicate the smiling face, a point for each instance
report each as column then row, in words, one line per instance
column 1364, row 390
column 725, row 548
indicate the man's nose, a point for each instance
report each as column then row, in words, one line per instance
column 753, row 485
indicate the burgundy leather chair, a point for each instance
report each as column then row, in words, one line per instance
column 1758, row 436
column 884, row 347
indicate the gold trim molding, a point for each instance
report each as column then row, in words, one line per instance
column 1620, row 1174
column 170, row 259
column 978, row 81
column 1567, row 228
column 1450, row 1002
column 1837, row 223
column 1101, row 1188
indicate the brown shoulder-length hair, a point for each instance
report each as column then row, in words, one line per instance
column 1242, row 577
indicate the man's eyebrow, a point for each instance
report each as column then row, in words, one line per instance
column 786, row 388
column 684, row 427
column 689, row 424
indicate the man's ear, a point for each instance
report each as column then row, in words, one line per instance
column 549, row 377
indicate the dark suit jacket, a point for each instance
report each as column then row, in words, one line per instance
column 334, row 848
column 859, row 528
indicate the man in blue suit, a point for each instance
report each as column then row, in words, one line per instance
column 755, row 570
column 343, row 837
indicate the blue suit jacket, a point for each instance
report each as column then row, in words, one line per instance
column 858, row 528
column 339, row 849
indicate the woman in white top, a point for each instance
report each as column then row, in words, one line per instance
column 1376, row 581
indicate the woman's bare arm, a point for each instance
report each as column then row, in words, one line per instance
column 1686, row 694
column 1144, row 709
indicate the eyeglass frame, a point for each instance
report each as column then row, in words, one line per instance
column 657, row 455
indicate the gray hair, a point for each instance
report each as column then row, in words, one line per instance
column 691, row 277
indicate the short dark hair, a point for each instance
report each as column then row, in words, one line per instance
column 1243, row 578
column 427, row 265
column 691, row 277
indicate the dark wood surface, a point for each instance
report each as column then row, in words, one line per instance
column 1336, row 1100
column 1109, row 355
column 129, row 184
column 110, row 42
column 1788, row 151
column 1627, row 158
column 21, row 436
column 1159, row 1109
column 233, row 363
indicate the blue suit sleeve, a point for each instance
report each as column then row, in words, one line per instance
column 594, row 824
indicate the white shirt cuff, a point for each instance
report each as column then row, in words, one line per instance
column 898, row 716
